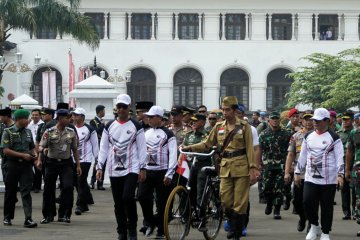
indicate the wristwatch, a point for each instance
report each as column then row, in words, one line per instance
column 341, row 175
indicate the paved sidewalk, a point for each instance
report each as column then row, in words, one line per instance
column 99, row 223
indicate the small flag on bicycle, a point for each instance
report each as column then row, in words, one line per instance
column 183, row 167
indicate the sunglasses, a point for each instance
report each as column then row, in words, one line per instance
column 317, row 121
column 202, row 111
column 212, row 118
column 174, row 114
column 121, row 105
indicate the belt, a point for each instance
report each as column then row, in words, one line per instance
column 58, row 159
column 234, row 153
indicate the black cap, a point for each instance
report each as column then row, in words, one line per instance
column 62, row 105
column 143, row 106
column 188, row 110
column 62, row 112
column 198, row 116
column 47, row 111
column 5, row 112
column 274, row 114
column 348, row 115
column 177, row 109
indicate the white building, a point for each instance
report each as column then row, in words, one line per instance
column 192, row 52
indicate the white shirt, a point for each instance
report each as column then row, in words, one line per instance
column 123, row 146
column 321, row 158
column 34, row 127
column 161, row 150
column 255, row 136
column 88, row 143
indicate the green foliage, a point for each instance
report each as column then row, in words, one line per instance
column 331, row 81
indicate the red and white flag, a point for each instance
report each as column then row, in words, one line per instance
column 183, row 167
column 81, row 74
column 71, row 79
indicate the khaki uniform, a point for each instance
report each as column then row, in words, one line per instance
column 234, row 171
column 179, row 133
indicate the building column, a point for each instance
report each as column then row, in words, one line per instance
column 246, row 26
column 305, row 26
column 117, row 25
column 351, row 32
column 270, row 27
column 164, row 91
column 153, row 26
column 211, row 94
column 257, row 96
column 223, row 27
column 200, row 27
column 258, row 26
column 129, row 27
column 339, row 28
column 211, row 26
column 317, row 33
column 165, row 26
column 106, row 25
column 293, row 18
column 176, row 26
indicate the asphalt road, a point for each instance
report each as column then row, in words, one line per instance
column 99, row 223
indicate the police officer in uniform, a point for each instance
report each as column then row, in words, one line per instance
column 177, row 126
column 57, row 143
column 187, row 115
column 237, row 167
column 19, row 149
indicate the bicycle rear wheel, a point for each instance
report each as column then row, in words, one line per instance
column 213, row 214
column 177, row 214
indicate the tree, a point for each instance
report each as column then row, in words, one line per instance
column 60, row 16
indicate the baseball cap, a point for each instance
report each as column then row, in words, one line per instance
column 320, row 114
column 155, row 111
column 177, row 109
column 292, row 112
column 198, row 116
column 79, row 111
column 357, row 116
column 332, row 113
column 123, row 98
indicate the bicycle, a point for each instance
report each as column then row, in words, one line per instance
column 179, row 214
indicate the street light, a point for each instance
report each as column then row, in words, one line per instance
column 118, row 78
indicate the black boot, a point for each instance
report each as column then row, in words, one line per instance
column 277, row 215
column 237, row 225
column 268, row 209
column 228, row 214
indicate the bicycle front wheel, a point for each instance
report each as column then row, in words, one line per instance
column 177, row 214
column 213, row 214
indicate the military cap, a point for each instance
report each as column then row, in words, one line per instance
column 143, row 106
column 62, row 112
column 229, row 101
column 274, row 114
column 62, row 105
column 292, row 112
column 198, row 116
column 45, row 111
column 308, row 113
column 21, row 113
column 5, row 112
column 339, row 115
column 348, row 115
column 357, row 116
column 188, row 110
column 177, row 109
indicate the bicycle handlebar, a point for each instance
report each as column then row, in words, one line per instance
column 196, row 153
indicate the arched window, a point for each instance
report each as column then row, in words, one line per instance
column 142, row 86
column 37, row 88
column 188, row 87
column 235, row 82
column 277, row 86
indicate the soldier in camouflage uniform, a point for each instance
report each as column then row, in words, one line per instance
column 353, row 175
column 273, row 144
column 347, row 192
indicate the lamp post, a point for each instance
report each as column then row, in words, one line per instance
column 116, row 78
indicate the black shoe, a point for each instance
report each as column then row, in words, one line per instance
column 230, row 235
column 149, row 230
column 346, row 217
column 277, row 215
column 61, row 219
column 7, row 222
column 46, row 220
column 36, row 190
column 268, row 209
column 100, row 188
column 67, row 220
column 78, row 210
column 122, row 236
column 287, row 203
column 358, row 234
column 92, row 185
column 301, row 225
column 29, row 223
column 132, row 234
column 58, row 200
column 85, row 209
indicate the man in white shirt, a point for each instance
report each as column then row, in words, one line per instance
column 321, row 159
column 88, row 149
column 123, row 146
column 160, row 168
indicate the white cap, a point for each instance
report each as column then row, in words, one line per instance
column 79, row 111
column 155, row 111
column 123, row 98
column 320, row 114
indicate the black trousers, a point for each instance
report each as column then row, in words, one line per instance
column 154, row 182
column 123, row 191
column 298, row 200
column 348, row 198
column 18, row 174
column 84, row 195
column 53, row 170
column 38, row 176
column 93, row 177
column 319, row 194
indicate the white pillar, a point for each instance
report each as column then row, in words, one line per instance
column 223, row 27
column 200, row 27
column 153, row 26
column 246, row 26
column 258, row 27
column 106, row 25
column 164, row 94
column 293, row 26
column 129, row 27
column 165, row 26
column 211, row 94
column 257, row 96
column 305, row 26
column 351, row 32
column 339, row 27
column 117, row 25
column 270, row 27
column 317, row 32
column 176, row 26
column 211, row 27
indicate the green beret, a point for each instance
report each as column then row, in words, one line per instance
column 21, row 113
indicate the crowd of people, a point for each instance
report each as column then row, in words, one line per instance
column 302, row 159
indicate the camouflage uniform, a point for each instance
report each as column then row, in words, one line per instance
column 274, row 151
column 197, row 178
